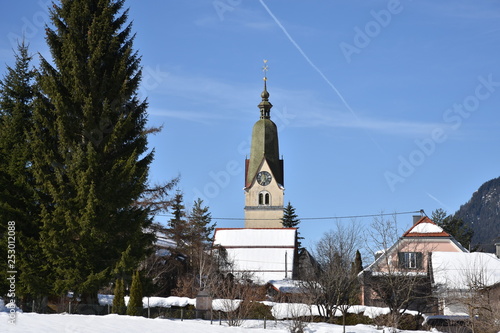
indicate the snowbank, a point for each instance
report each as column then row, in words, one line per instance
column 279, row 310
column 291, row 310
column 152, row 302
column 225, row 305
column 167, row 302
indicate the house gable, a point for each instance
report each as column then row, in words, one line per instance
column 409, row 256
column 426, row 228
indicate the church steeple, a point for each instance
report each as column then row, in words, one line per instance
column 265, row 106
column 264, row 142
column 264, row 178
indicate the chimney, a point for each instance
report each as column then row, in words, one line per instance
column 416, row 218
column 498, row 250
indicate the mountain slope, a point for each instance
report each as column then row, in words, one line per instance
column 482, row 212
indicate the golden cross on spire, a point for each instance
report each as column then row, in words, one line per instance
column 265, row 68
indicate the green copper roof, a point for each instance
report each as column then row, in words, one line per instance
column 264, row 143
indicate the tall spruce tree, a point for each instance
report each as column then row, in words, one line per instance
column 19, row 200
column 291, row 220
column 200, row 238
column 178, row 223
column 90, row 146
column 200, row 225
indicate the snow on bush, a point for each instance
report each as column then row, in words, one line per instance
column 279, row 310
column 225, row 305
column 152, row 302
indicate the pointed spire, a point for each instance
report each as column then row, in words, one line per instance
column 265, row 106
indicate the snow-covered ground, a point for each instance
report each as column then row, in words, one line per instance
column 16, row 321
column 65, row 323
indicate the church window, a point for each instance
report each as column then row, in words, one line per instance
column 264, row 199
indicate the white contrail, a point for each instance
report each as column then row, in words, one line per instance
column 317, row 70
column 307, row 59
column 438, row 201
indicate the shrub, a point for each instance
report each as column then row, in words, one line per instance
column 410, row 322
column 406, row 322
column 118, row 301
column 258, row 310
column 134, row 307
column 352, row 319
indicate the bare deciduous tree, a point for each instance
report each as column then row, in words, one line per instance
column 297, row 313
column 477, row 295
column 398, row 278
column 237, row 295
column 162, row 267
column 333, row 283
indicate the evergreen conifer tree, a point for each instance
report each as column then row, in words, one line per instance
column 291, row 220
column 19, row 200
column 178, row 224
column 357, row 267
column 456, row 227
column 90, row 146
column 200, row 224
column 461, row 231
column 134, row 307
column 438, row 216
column 358, row 263
column 119, row 301
column 200, row 238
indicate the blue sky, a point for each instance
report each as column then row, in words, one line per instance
column 382, row 106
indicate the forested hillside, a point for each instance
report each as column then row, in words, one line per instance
column 482, row 212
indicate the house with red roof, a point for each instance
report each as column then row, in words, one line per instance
column 407, row 265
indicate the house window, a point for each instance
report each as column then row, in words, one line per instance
column 410, row 260
column 264, row 199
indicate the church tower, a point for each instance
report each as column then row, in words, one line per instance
column 264, row 177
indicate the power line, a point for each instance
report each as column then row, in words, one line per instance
column 421, row 211
column 360, row 216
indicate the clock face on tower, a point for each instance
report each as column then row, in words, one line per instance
column 264, row 178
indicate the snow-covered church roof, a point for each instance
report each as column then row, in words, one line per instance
column 255, row 237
